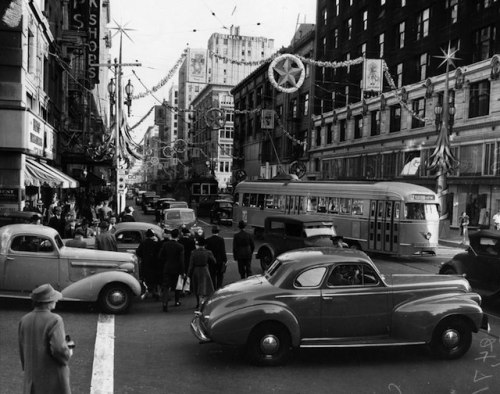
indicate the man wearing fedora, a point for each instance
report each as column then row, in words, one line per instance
column 43, row 345
column 216, row 244
column 243, row 247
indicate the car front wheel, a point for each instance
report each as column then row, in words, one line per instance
column 115, row 298
column 266, row 258
column 269, row 344
column 451, row 339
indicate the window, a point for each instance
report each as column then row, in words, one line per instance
column 363, row 49
column 423, row 63
column 336, row 38
column 358, row 126
column 489, row 159
column 381, row 39
column 306, row 104
column 349, row 28
column 324, row 45
column 310, row 278
column 337, row 7
column 479, row 99
column 469, row 163
column 375, row 127
column 395, row 118
column 400, row 37
column 365, row 19
column 418, row 107
column 399, row 75
column 31, row 51
column 294, row 108
column 452, row 9
column 28, row 243
column 324, row 12
column 423, row 24
column 484, row 43
column 329, row 133
column 343, row 127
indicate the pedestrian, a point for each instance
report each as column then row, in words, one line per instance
column 463, row 221
column 128, row 215
column 44, row 349
column 57, row 221
column 243, row 247
column 77, row 241
column 147, row 251
column 112, row 222
column 201, row 282
column 216, row 244
column 189, row 245
column 496, row 220
column 105, row 240
column 36, row 219
column 105, row 211
column 171, row 258
column 70, row 227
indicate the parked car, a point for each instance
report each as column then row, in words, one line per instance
column 283, row 233
column 221, row 212
column 149, row 203
column 330, row 297
column 13, row 217
column 31, row 255
column 480, row 264
column 180, row 217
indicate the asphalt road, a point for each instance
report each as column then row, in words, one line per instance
column 155, row 352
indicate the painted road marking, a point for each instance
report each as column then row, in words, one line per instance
column 103, row 365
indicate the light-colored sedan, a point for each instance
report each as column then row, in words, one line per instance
column 31, row 255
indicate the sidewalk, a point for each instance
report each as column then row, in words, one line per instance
column 454, row 239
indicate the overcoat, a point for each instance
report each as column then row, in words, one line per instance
column 201, row 282
column 243, row 246
column 44, row 353
column 171, row 257
column 106, row 241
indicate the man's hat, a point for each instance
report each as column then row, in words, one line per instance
column 215, row 229
column 241, row 224
column 40, row 202
column 185, row 230
column 103, row 224
column 45, row 293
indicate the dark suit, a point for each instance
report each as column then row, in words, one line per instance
column 216, row 244
column 171, row 258
column 106, row 241
column 58, row 223
column 243, row 248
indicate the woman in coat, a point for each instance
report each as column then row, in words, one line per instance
column 200, row 261
column 43, row 348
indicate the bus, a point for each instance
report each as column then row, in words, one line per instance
column 393, row 218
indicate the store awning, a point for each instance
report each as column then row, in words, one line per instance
column 38, row 174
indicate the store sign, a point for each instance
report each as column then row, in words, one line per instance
column 8, row 194
column 85, row 17
column 36, row 131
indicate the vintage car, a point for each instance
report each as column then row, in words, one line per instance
column 128, row 235
column 283, row 233
column 13, row 217
column 148, row 203
column 221, row 212
column 166, row 203
column 480, row 264
column 31, row 255
column 331, row 297
column 179, row 218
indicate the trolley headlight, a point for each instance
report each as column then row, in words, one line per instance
column 427, row 236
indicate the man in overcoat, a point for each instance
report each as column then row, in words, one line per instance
column 216, row 244
column 171, row 258
column 43, row 348
column 147, row 252
column 105, row 240
column 243, row 247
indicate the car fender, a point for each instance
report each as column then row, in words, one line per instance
column 266, row 247
column 234, row 328
column 454, row 264
column 88, row 289
column 416, row 320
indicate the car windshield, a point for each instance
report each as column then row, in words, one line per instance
column 181, row 215
column 319, row 230
column 59, row 241
column 274, row 271
column 225, row 205
column 419, row 211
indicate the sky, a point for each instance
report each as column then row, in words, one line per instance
column 162, row 29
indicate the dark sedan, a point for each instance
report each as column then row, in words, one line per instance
column 480, row 264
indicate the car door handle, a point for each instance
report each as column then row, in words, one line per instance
column 328, row 298
column 9, row 258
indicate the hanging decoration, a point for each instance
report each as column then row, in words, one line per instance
column 163, row 82
column 215, row 118
column 143, row 118
column 290, row 71
column 243, row 62
column 298, row 168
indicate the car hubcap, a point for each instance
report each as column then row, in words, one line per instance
column 269, row 344
column 116, row 297
column 451, row 338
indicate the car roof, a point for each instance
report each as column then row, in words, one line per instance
column 19, row 214
column 179, row 209
column 223, row 200
column 323, row 254
column 27, row 228
column 167, row 199
column 484, row 233
column 143, row 226
column 300, row 218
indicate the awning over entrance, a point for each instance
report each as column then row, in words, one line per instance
column 38, row 174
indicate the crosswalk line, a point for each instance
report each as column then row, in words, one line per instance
column 103, row 364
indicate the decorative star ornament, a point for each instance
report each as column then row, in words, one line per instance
column 448, row 56
column 290, row 72
column 122, row 29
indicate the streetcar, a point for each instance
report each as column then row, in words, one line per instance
column 195, row 191
column 393, row 218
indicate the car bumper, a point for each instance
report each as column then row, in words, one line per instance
column 198, row 331
column 485, row 325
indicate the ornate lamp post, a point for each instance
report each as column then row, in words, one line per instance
column 112, row 92
column 129, row 91
column 442, row 159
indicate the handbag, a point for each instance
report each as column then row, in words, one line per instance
column 186, row 288
column 180, row 283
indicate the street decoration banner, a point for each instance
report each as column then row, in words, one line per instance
column 372, row 75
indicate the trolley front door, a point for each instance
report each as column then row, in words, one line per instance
column 383, row 228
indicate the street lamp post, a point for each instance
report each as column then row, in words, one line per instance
column 442, row 159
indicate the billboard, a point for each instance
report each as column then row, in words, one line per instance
column 197, row 65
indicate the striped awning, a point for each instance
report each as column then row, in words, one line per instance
column 38, row 174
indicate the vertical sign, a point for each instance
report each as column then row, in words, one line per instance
column 372, row 75
column 197, row 65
